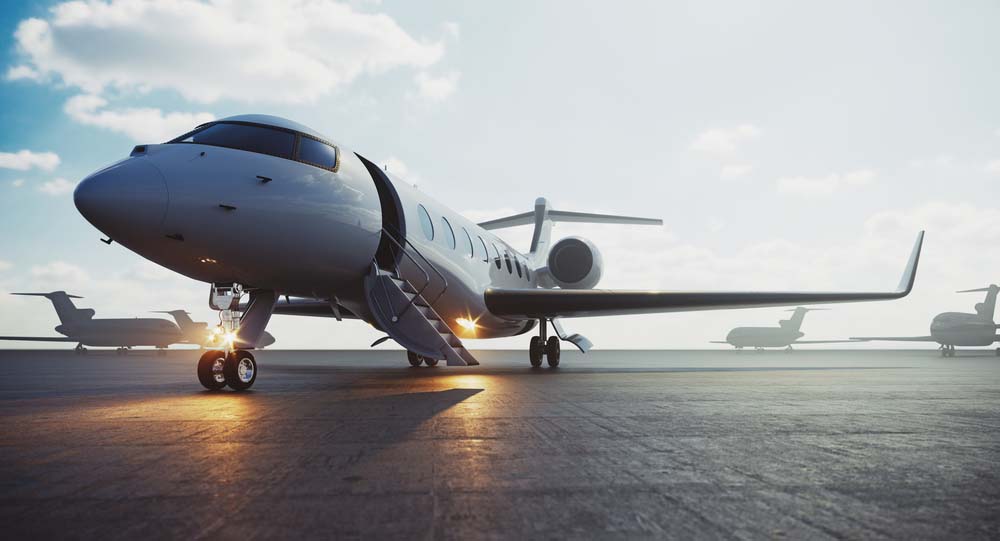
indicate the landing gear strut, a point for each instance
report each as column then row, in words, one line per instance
column 80, row 350
column 543, row 345
column 949, row 351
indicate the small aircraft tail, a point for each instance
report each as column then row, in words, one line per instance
column 795, row 322
column 989, row 305
column 543, row 217
column 68, row 312
column 193, row 331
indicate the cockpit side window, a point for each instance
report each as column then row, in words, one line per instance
column 259, row 139
column 317, row 153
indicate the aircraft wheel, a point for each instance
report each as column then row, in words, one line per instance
column 536, row 350
column 240, row 370
column 210, row 370
column 430, row 362
column 414, row 359
column 552, row 351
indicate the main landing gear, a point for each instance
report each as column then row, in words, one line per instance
column 543, row 346
column 949, row 351
column 237, row 369
column 417, row 360
column 80, row 350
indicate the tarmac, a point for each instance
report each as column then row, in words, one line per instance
column 613, row 444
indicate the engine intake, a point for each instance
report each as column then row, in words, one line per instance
column 575, row 263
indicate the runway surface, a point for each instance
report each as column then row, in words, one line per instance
column 685, row 444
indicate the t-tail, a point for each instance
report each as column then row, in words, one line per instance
column 193, row 331
column 989, row 305
column 543, row 217
column 68, row 312
column 794, row 323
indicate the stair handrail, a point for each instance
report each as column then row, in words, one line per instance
column 427, row 278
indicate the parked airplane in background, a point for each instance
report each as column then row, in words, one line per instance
column 952, row 329
column 266, row 206
column 783, row 336
column 78, row 325
column 199, row 332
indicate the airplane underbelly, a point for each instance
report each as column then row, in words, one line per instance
column 965, row 337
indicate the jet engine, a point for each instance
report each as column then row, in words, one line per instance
column 575, row 263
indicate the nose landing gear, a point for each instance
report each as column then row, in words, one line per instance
column 237, row 369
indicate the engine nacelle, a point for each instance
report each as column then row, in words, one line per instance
column 575, row 263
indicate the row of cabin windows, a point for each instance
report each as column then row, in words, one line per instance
column 265, row 140
column 469, row 247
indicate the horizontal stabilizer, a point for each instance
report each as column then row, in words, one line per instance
column 50, row 294
column 850, row 341
column 534, row 303
column 528, row 218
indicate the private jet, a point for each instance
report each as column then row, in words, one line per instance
column 783, row 336
column 952, row 329
column 78, row 325
column 263, row 207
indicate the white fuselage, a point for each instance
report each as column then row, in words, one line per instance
column 762, row 337
column 224, row 215
column 958, row 329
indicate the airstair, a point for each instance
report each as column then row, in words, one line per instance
column 405, row 311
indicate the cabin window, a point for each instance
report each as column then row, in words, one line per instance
column 497, row 250
column 467, row 240
column 506, row 257
column 527, row 273
column 517, row 264
column 486, row 251
column 259, row 139
column 425, row 222
column 317, row 153
column 449, row 234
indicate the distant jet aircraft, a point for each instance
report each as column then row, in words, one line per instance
column 952, row 329
column 783, row 336
column 78, row 325
column 199, row 332
column 262, row 205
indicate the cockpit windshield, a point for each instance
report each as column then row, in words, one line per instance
column 265, row 140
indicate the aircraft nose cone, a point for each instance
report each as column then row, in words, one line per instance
column 126, row 201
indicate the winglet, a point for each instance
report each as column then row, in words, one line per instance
column 910, row 274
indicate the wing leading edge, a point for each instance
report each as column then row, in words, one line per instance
column 39, row 338
column 533, row 303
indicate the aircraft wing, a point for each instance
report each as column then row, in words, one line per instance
column 300, row 306
column 894, row 338
column 851, row 341
column 39, row 338
column 534, row 303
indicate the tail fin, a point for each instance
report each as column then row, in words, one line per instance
column 795, row 322
column 989, row 304
column 543, row 217
column 195, row 332
column 65, row 309
column 182, row 317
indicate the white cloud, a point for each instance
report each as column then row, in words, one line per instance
column 144, row 125
column 993, row 167
column 452, row 29
column 723, row 142
column 250, row 51
column 735, row 170
column 17, row 183
column 825, row 185
column 23, row 160
column 941, row 160
column 60, row 274
column 436, row 88
column 56, row 187
column 23, row 72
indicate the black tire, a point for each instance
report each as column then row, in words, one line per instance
column 552, row 351
column 414, row 359
column 536, row 350
column 430, row 362
column 210, row 375
column 240, row 370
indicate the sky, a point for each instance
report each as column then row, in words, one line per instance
column 787, row 145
